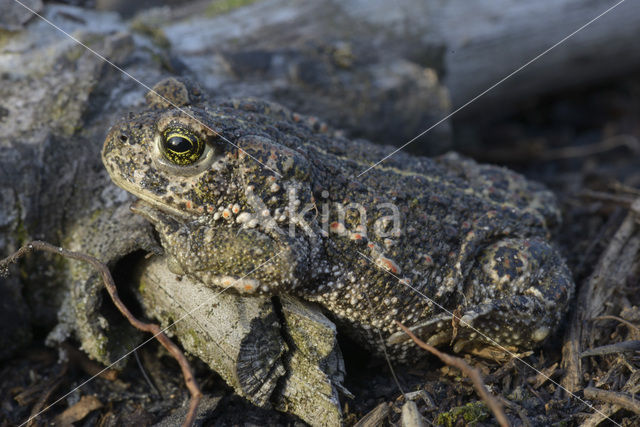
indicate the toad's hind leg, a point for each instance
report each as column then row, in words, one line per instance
column 516, row 294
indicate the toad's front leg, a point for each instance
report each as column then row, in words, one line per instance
column 245, row 259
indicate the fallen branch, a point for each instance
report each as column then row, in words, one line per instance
column 192, row 386
column 472, row 373
column 623, row 400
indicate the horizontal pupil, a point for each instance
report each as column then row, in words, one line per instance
column 179, row 144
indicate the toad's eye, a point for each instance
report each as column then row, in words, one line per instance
column 181, row 146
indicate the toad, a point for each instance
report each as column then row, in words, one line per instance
column 246, row 194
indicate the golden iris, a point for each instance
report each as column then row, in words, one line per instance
column 181, row 146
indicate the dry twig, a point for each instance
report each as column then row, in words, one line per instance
column 616, row 263
column 634, row 329
column 472, row 373
column 376, row 416
column 623, row 400
column 543, row 376
column 617, row 348
column 535, row 149
column 48, row 388
column 610, row 198
column 192, row 386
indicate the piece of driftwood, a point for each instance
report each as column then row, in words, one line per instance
column 314, row 364
column 238, row 337
column 284, row 355
column 618, row 261
column 487, row 40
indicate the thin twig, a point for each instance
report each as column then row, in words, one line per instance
column 543, row 376
column 629, row 325
column 611, row 198
column 617, row 348
column 189, row 379
column 629, row 141
column 534, row 150
column 472, row 373
column 44, row 398
column 144, row 374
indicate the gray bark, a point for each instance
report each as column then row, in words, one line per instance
column 238, row 337
column 472, row 45
column 289, row 360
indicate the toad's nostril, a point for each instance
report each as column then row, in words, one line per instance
column 123, row 138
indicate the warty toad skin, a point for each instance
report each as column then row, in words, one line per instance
column 246, row 186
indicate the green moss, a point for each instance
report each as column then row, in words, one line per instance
column 142, row 286
column 220, row 7
column 101, row 347
column 471, row 413
column 22, row 235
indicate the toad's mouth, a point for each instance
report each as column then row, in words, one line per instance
column 146, row 202
column 155, row 212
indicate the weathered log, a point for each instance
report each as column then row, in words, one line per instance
column 315, row 365
column 241, row 338
column 472, row 45
column 238, row 337
column 485, row 41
